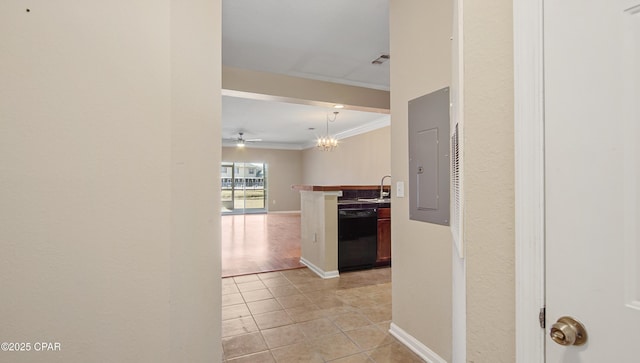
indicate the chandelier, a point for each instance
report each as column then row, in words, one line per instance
column 328, row 143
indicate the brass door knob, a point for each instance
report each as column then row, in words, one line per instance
column 568, row 331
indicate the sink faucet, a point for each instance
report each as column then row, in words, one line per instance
column 382, row 193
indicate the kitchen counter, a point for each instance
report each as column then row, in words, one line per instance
column 319, row 220
column 359, row 203
column 356, row 195
column 334, row 188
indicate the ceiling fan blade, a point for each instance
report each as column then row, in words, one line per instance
column 252, row 140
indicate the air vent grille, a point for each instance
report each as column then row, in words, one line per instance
column 456, row 189
column 381, row 59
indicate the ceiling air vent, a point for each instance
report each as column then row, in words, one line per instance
column 381, row 59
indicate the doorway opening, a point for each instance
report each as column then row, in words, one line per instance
column 243, row 187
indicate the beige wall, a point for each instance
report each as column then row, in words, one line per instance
column 417, row 42
column 361, row 159
column 489, row 181
column 279, row 87
column 284, row 169
column 110, row 244
column 420, row 45
column 195, row 185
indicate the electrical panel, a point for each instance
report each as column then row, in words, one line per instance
column 429, row 158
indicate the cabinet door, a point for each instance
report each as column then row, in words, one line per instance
column 384, row 236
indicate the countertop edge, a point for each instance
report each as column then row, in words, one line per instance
column 334, row 188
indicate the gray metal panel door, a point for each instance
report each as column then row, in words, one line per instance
column 429, row 157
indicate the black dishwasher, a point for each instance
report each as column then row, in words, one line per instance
column 357, row 238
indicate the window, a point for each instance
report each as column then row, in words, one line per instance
column 243, row 191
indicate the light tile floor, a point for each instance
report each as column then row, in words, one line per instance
column 296, row 316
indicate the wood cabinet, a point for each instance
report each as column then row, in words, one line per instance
column 384, row 237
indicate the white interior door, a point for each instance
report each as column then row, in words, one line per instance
column 592, row 176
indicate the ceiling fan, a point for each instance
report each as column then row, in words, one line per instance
column 241, row 141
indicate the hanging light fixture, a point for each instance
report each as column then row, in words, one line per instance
column 328, row 143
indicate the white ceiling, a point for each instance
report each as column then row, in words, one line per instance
column 330, row 40
column 287, row 125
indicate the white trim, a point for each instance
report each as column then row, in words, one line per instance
column 318, row 271
column 379, row 123
column 272, row 98
column 458, row 308
column 529, row 177
column 412, row 343
column 457, row 118
column 340, row 80
column 458, row 263
column 383, row 121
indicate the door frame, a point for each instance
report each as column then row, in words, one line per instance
column 528, row 51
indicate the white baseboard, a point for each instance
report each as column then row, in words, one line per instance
column 285, row 212
column 319, row 271
column 412, row 343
